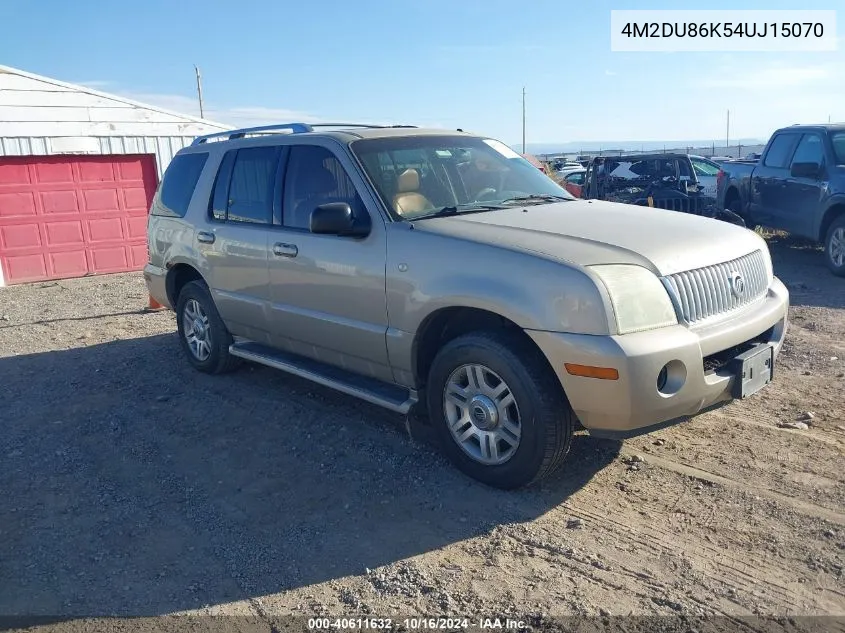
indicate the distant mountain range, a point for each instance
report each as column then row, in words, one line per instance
column 595, row 146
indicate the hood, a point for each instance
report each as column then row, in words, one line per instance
column 588, row 232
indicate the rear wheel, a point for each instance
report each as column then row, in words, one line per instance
column 499, row 412
column 202, row 333
column 834, row 247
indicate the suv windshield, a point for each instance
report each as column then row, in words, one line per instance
column 423, row 176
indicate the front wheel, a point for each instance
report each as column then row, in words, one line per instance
column 498, row 410
column 834, row 247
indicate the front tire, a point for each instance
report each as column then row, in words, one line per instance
column 499, row 412
column 834, row 247
column 202, row 333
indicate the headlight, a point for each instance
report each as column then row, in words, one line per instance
column 640, row 302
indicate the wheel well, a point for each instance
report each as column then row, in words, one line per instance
column 834, row 212
column 447, row 324
column 177, row 277
column 731, row 195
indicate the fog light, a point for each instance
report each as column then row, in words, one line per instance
column 671, row 378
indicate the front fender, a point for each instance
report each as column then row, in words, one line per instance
column 833, row 203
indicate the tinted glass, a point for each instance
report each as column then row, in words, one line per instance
column 220, row 197
column 838, row 141
column 779, row 151
column 417, row 175
column 177, row 187
column 252, row 185
column 314, row 177
column 809, row 150
column 577, row 178
column 704, row 168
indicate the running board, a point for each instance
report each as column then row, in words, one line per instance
column 383, row 394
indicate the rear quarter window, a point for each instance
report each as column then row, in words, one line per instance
column 177, row 186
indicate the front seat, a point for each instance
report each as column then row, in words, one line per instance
column 318, row 182
column 409, row 200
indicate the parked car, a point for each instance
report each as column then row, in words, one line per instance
column 441, row 271
column 660, row 179
column 568, row 169
column 573, row 182
column 798, row 186
column 706, row 172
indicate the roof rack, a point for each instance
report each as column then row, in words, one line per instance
column 290, row 128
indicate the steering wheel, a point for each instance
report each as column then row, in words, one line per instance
column 488, row 193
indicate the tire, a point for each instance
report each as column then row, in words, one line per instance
column 545, row 419
column 834, row 247
column 195, row 299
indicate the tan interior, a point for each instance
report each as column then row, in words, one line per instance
column 409, row 200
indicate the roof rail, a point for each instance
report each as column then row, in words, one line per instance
column 290, row 128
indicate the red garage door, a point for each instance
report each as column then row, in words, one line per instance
column 68, row 216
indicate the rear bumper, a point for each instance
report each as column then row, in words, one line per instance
column 156, row 280
column 633, row 404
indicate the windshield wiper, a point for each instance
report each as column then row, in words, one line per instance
column 536, row 198
column 461, row 208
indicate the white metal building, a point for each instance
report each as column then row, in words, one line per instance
column 78, row 169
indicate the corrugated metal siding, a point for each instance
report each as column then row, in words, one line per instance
column 164, row 148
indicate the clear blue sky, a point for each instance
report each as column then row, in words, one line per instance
column 452, row 63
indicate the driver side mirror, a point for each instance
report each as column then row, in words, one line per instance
column 805, row 170
column 337, row 218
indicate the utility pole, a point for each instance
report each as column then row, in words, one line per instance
column 199, row 90
column 523, row 119
column 728, row 131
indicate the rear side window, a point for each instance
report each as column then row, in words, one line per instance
column 245, row 186
column 779, row 151
column 177, row 187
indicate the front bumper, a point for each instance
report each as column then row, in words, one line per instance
column 633, row 404
column 156, row 279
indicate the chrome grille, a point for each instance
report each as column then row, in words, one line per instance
column 714, row 290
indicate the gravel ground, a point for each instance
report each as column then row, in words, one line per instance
column 134, row 485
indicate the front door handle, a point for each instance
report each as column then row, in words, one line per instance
column 285, row 250
column 205, row 237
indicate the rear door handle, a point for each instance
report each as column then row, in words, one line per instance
column 205, row 237
column 285, row 250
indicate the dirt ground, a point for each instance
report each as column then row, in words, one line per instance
column 133, row 485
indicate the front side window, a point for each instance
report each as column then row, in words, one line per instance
column 315, row 176
column 809, row 150
column 837, row 139
column 418, row 176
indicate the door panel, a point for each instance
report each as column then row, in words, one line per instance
column 769, row 180
column 802, row 195
column 239, row 277
column 235, row 240
column 327, row 293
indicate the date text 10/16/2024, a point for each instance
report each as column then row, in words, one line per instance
column 415, row 624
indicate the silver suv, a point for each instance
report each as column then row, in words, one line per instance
column 441, row 269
